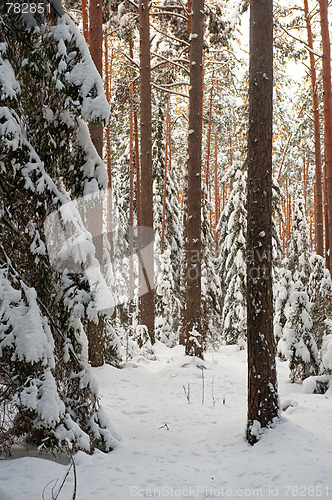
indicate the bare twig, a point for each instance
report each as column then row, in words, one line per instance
column 203, row 385
column 75, row 478
column 187, row 392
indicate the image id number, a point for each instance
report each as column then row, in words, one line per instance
column 27, row 8
column 306, row 491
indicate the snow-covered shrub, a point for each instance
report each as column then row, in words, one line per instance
column 320, row 293
column 297, row 343
column 326, row 350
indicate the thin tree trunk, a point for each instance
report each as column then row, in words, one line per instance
column 184, row 205
column 109, row 221
column 263, row 405
column 108, row 72
column 85, row 19
column 138, row 170
column 216, row 194
column 193, row 195
column 146, row 253
column 96, row 51
column 137, row 159
column 131, row 210
column 168, row 159
column 95, row 332
column 327, row 99
column 208, row 144
column 319, row 228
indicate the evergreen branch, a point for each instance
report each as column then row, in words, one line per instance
column 167, row 6
column 129, row 58
column 170, row 36
column 169, row 91
column 290, row 136
column 301, row 41
column 175, row 84
column 172, row 61
column 133, row 4
column 175, row 14
column 40, row 303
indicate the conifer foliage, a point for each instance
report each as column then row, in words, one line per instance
column 303, row 304
column 50, row 280
column 233, row 223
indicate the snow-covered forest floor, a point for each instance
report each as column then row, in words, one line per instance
column 180, row 442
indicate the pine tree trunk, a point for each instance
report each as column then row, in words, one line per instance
column 131, row 209
column 262, row 380
column 109, row 195
column 193, row 195
column 108, row 73
column 137, row 161
column 96, row 51
column 319, row 228
column 85, row 20
column 327, row 99
column 208, row 144
column 146, row 223
column 216, row 195
column 168, row 160
column 96, row 332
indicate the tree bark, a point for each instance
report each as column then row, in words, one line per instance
column 319, row 228
column 147, row 310
column 327, row 99
column 95, row 46
column 216, row 195
column 85, row 20
column 262, row 381
column 95, row 224
column 194, row 191
column 168, row 166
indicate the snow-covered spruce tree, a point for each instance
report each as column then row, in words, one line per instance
column 299, row 247
column 210, row 285
column 167, row 305
column 167, row 267
column 297, row 343
column 283, row 290
column 305, row 307
column 232, row 262
column 320, row 294
column 48, row 87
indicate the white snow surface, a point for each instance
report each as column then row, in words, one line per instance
column 172, row 448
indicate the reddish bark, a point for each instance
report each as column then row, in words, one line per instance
column 95, row 46
column 319, row 228
column 85, row 19
column 216, row 193
column 96, row 332
column 327, row 99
